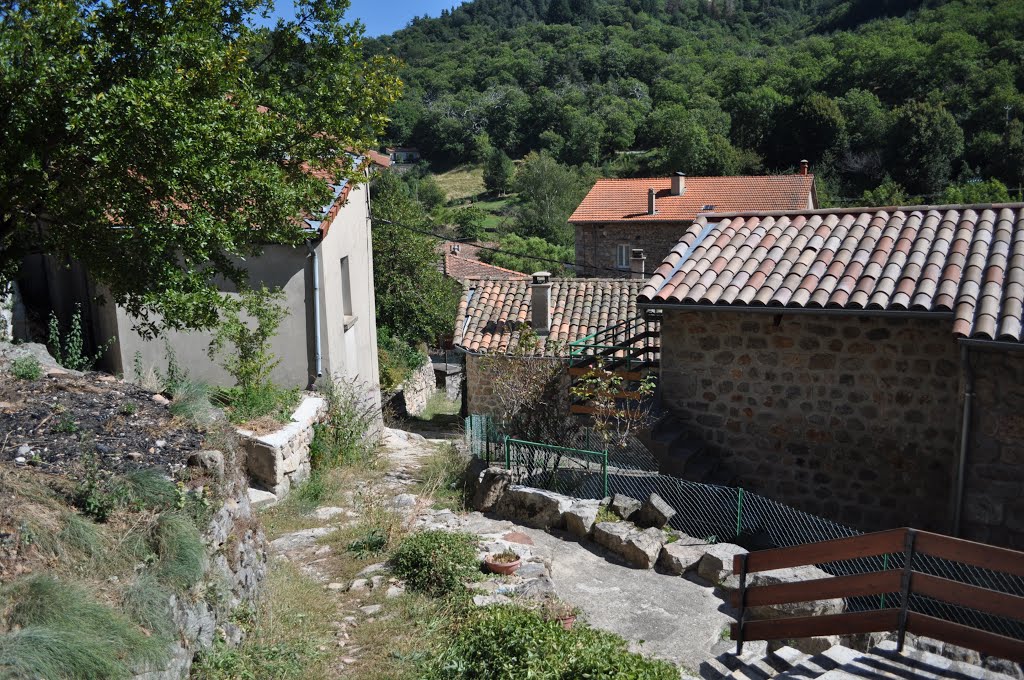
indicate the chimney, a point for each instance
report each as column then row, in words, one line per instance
column 678, row 183
column 456, row 248
column 803, row 166
column 650, row 202
column 540, row 302
column 637, row 263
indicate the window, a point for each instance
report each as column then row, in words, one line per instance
column 622, row 257
column 346, row 288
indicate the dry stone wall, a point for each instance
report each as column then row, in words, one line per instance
column 854, row 419
column 278, row 460
column 414, row 393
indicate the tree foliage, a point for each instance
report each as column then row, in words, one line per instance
column 532, row 254
column 548, row 193
column 861, row 88
column 415, row 301
column 158, row 142
column 499, row 171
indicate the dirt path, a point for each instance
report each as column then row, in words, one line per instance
column 662, row 616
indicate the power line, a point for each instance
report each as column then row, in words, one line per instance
column 620, row 273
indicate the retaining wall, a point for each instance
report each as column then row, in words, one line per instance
column 277, row 460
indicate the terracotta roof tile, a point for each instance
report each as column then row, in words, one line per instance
column 460, row 268
column 492, row 313
column 625, row 200
column 964, row 260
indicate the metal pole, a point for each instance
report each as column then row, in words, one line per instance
column 885, row 567
column 743, row 604
column 905, row 586
column 739, row 513
column 604, row 472
column 508, row 455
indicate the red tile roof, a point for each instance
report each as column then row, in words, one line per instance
column 625, row 200
column 492, row 313
column 459, row 267
column 964, row 262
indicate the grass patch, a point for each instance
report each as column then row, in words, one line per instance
column 606, row 514
column 284, row 637
column 377, row 532
column 180, row 551
column 436, row 562
column 193, row 402
column 438, row 404
column 462, row 181
column 444, row 477
column 147, row 602
column 58, row 630
column 245, row 406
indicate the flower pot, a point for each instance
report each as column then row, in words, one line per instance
column 567, row 621
column 506, row 568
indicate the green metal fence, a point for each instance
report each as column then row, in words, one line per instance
column 567, row 470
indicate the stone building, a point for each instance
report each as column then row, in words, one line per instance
column 623, row 221
column 863, row 365
column 494, row 315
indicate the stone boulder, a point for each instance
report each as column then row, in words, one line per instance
column 654, row 512
column 579, row 519
column 211, row 462
column 535, row 508
column 716, row 564
column 681, row 556
column 492, row 484
column 643, row 547
column 624, row 506
column 640, row 548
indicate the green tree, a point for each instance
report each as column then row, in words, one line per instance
column 991, row 191
column 414, row 300
column 530, row 255
column 548, row 193
column 156, row 143
column 429, row 192
column 885, row 194
column 499, row 171
column 925, row 142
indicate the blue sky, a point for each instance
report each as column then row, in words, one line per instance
column 381, row 16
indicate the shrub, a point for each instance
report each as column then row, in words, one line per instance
column 26, row 368
column 506, row 642
column 251, row 361
column 342, row 437
column 436, row 562
column 68, row 349
column 397, row 359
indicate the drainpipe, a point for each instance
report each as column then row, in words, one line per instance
column 316, row 308
column 965, row 436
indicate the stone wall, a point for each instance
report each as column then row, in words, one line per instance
column 280, row 459
column 850, row 418
column 481, row 373
column 412, row 396
column 236, row 568
column 596, row 244
column 993, row 501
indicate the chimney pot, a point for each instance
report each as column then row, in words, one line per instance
column 678, row 183
column 540, row 302
column 803, row 166
column 650, row 202
column 637, row 264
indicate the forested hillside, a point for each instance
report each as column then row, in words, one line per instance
column 923, row 92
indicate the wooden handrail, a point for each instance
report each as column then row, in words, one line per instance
column 906, row 581
column 866, row 545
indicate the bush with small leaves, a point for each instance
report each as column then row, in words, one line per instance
column 436, row 562
column 26, row 368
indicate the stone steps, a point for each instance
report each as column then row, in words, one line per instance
column 842, row 663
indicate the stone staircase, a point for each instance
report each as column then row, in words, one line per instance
column 843, row 663
column 682, row 454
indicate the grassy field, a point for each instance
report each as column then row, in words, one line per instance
column 463, row 181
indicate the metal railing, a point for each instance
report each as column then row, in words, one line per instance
column 558, row 468
column 919, row 550
column 630, row 344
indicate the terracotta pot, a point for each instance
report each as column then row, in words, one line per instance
column 567, row 621
column 506, row 568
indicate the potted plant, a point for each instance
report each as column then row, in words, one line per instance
column 506, row 562
column 553, row 609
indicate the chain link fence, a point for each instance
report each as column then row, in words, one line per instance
column 726, row 514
